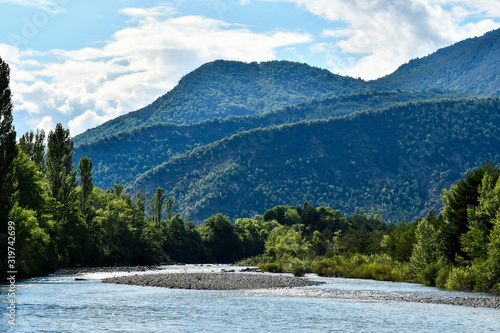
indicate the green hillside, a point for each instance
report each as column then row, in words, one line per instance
column 396, row 161
column 230, row 88
column 120, row 158
column 469, row 66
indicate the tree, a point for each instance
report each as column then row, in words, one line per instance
column 85, row 172
column 156, row 205
column 219, row 236
column 34, row 146
column 457, row 203
column 424, row 250
column 170, row 203
column 8, row 149
column 61, row 177
column 70, row 230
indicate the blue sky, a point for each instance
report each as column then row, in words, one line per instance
column 83, row 62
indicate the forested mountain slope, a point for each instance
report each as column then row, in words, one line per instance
column 230, row 88
column 120, row 158
column 469, row 66
column 396, row 161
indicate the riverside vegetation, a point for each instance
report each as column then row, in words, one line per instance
column 391, row 162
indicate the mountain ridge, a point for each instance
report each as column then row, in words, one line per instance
column 223, row 88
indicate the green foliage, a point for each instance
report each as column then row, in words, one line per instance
column 8, row 152
column 272, row 267
column 33, row 145
column 297, row 268
column 122, row 157
column 399, row 242
column 397, row 165
column 285, row 243
column 156, row 206
column 84, row 170
column 219, row 235
column 462, row 198
column 469, row 66
column 425, row 248
column 32, row 243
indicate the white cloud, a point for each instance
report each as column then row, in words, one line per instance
column 53, row 7
column 46, row 123
column 159, row 11
column 386, row 33
column 89, row 119
column 91, row 85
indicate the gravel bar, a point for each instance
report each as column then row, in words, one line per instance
column 476, row 302
column 213, row 281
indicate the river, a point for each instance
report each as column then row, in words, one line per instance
column 59, row 303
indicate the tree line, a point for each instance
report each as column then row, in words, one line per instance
column 457, row 249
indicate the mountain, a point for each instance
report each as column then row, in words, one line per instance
column 230, row 88
column 120, row 158
column 395, row 161
column 469, row 66
column 239, row 138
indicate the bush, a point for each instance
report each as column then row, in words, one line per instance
column 297, row 268
column 461, row 278
column 272, row 267
column 429, row 274
column 326, row 267
column 442, row 276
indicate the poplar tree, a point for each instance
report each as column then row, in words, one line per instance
column 8, row 150
column 61, row 177
column 156, row 205
column 62, row 183
column 170, row 204
column 34, row 146
column 84, row 170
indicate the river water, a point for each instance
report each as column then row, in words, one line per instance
column 61, row 304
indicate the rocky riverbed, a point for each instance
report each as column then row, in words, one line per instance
column 476, row 302
column 281, row 286
column 213, row 281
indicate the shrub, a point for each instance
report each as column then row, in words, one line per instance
column 326, row 267
column 442, row 276
column 297, row 268
column 461, row 278
column 429, row 274
column 272, row 267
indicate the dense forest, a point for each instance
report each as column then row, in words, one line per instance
column 469, row 66
column 395, row 161
column 123, row 157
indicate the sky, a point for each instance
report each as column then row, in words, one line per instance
column 83, row 62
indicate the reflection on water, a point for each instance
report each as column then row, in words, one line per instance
column 61, row 304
